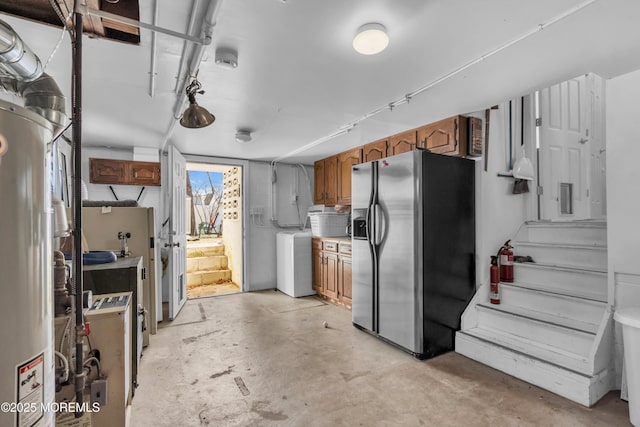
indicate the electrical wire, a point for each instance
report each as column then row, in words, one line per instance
column 64, row 332
column 55, row 49
column 65, row 364
column 97, row 363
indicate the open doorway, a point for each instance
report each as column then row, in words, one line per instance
column 214, row 229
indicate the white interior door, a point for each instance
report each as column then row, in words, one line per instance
column 565, row 151
column 177, row 233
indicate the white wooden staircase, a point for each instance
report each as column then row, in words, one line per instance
column 553, row 327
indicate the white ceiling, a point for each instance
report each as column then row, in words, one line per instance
column 299, row 80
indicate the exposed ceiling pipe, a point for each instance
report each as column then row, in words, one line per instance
column 88, row 11
column 154, row 46
column 25, row 78
column 183, row 57
column 208, row 23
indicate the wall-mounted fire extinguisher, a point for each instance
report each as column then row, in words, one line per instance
column 494, row 288
column 505, row 259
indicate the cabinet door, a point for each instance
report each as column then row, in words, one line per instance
column 375, row 150
column 344, row 280
column 330, row 274
column 144, row 173
column 316, row 268
column 107, row 171
column 318, row 182
column 331, row 181
column 448, row 136
column 402, row 143
column 345, row 161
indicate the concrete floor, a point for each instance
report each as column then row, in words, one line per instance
column 265, row 359
column 213, row 289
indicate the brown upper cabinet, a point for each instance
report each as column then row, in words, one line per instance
column 375, row 150
column 333, row 175
column 448, row 136
column 318, row 182
column 325, row 174
column 345, row 161
column 124, row 172
column 402, row 143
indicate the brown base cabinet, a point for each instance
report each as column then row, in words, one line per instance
column 331, row 266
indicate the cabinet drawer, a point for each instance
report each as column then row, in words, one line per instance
column 345, row 248
column 328, row 245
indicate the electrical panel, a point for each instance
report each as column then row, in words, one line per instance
column 232, row 190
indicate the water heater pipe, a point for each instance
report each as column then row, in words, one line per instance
column 25, row 78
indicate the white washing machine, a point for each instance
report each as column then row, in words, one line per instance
column 293, row 258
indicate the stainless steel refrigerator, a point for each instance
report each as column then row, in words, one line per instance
column 413, row 235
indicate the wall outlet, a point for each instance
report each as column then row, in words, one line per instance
column 99, row 392
column 294, row 199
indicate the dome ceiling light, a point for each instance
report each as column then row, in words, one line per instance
column 371, row 39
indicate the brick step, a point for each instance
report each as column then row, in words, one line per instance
column 202, row 278
column 207, row 263
column 205, row 251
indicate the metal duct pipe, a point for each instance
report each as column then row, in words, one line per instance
column 208, row 23
column 16, row 59
column 25, row 78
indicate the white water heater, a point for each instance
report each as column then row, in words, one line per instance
column 26, row 305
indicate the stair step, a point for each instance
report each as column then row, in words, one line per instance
column 589, row 284
column 205, row 251
column 540, row 316
column 202, row 278
column 572, row 307
column 585, row 389
column 572, row 232
column 556, row 356
column 207, row 263
column 568, row 255
column 535, row 327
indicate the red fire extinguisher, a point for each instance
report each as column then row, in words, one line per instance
column 505, row 259
column 494, row 288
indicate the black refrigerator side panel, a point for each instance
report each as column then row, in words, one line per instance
column 449, row 247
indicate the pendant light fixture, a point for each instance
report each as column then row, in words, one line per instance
column 195, row 116
column 371, row 39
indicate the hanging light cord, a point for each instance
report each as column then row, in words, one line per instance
column 193, row 88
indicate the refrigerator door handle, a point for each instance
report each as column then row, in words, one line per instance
column 368, row 228
column 381, row 225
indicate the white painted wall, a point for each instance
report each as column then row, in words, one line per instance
column 499, row 212
column 232, row 229
column 261, row 232
column 623, row 175
column 623, row 196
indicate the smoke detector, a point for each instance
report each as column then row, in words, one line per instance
column 227, row 58
column 243, row 136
